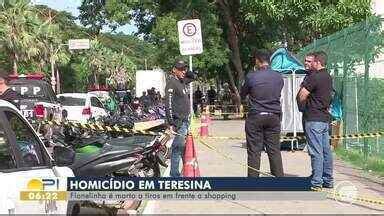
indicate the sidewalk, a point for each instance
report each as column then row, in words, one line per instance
column 295, row 164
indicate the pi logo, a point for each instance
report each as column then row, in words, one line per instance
column 43, row 184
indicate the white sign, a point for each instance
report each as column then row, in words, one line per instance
column 190, row 39
column 78, row 44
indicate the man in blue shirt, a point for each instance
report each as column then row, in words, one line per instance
column 262, row 127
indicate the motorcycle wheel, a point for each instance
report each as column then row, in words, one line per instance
column 166, row 152
column 128, row 205
column 152, row 171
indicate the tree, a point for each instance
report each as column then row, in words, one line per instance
column 300, row 22
column 97, row 14
column 100, row 60
column 140, row 52
column 157, row 24
column 50, row 42
column 93, row 15
column 19, row 30
column 272, row 23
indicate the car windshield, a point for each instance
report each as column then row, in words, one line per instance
column 103, row 96
column 27, row 90
column 71, row 101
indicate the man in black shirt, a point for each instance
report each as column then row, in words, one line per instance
column 211, row 93
column 315, row 98
column 262, row 126
column 6, row 93
column 197, row 97
column 177, row 112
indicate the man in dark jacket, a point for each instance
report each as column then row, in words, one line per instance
column 262, row 126
column 6, row 93
column 177, row 111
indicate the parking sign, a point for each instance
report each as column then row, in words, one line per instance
column 190, row 39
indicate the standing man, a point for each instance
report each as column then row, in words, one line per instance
column 145, row 99
column 262, row 126
column 197, row 97
column 177, row 111
column 211, row 93
column 226, row 101
column 315, row 99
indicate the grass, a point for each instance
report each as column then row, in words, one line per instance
column 355, row 157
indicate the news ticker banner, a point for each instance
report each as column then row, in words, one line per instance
column 216, row 188
column 189, row 184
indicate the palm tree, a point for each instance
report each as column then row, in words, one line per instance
column 18, row 31
column 102, row 60
column 50, row 39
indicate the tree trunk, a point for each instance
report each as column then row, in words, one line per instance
column 58, row 84
column 232, row 38
column 232, row 84
column 15, row 61
column 96, row 81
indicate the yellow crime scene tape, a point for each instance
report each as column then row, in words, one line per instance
column 101, row 127
column 336, row 137
column 230, row 158
column 333, row 194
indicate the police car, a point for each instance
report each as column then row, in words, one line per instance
column 23, row 157
column 38, row 101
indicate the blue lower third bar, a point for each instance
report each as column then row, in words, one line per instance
column 188, row 184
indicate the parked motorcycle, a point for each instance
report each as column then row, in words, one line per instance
column 101, row 155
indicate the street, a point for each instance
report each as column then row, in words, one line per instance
column 295, row 164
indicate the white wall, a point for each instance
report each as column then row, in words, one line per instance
column 378, row 7
column 376, row 69
column 146, row 79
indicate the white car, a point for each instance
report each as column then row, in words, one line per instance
column 102, row 95
column 24, row 157
column 81, row 107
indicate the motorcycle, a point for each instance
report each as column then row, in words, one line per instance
column 124, row 156
column 118, row 161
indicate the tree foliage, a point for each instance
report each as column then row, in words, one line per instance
column 31, row 35
column 233, row 28
column 18, row 32
column 100, row 60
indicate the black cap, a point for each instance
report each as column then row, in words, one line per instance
column 180, row 64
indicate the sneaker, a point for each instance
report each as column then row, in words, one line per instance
column 316, row 188
column 329, row 186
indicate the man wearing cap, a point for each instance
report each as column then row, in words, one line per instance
column 177, row 111
column 6, row 93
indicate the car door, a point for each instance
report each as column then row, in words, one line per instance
column 97, row 108
column 23, row 158
column 100, row 105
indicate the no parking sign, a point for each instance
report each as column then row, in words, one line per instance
column 190, row 39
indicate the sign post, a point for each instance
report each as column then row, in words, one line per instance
column 78, row 44
column 190, row 43
column 73, row 44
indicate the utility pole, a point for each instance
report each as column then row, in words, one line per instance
column 53, row 79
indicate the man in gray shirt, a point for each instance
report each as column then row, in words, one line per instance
column 262, row 127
